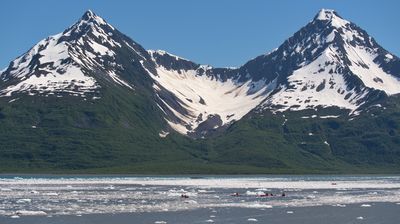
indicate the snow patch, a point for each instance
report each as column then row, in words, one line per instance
column 371, row 74
column 163, row 134
column 329, row 116
column 72, row 81
column 315, row 85
column 204, row 95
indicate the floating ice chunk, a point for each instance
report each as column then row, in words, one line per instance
column 212, row 216
column 15, row 217
column 263, row 189
column 360, row 218
column 252, row 220
column 5, row 189
column 191, row 202
column 205, row 191
column 34, row 192
column 160, row 222
column 30, row 213
column 258, row 205
column 289, row 212
column 24, row 200
column 174, row 194
column 255, row 193
column 51, row 194
column 210, row 220
column 365, row 205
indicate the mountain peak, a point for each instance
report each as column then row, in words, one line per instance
column 90, row 16
column 326, row 14
column 87, row 23
column 332, row 17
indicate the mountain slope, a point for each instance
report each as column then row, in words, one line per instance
column 75, row 61
column 328, row 63
column 52, row 117
column 90, row 99
column 197, row 98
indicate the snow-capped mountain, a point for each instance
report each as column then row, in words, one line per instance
column 74, row 61
column 328, row 63
column 91, row 99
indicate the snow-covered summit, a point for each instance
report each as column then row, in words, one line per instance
column 62, row 63
column 332, row 17
column 327, row 14
column 329, row 62
column 89, row 15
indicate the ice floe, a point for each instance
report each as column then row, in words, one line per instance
column 95, row 195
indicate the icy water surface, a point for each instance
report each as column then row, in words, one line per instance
column 31, row 198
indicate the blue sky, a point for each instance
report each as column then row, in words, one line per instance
column 221, row 33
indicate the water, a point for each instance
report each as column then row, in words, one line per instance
column 83, row 197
